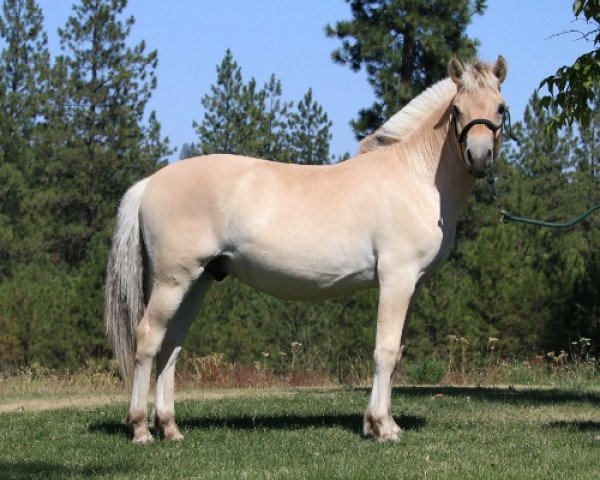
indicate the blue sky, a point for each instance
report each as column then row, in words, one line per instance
column 286, row 38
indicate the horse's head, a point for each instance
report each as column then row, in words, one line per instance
column 477, row 112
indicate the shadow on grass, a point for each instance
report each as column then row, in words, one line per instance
column 53, row 471
column 527, row 395
column 581, row 426
column 352, row 423
column 110, row 428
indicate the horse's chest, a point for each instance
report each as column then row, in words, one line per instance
column 436, row 249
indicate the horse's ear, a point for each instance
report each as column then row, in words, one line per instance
column 455, row 70
column 500, row 69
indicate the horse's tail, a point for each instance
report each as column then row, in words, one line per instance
column 125, row 281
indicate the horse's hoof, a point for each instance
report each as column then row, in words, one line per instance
column 172, row 433
column 142, row 438
column 390, row 437
column 384, row 430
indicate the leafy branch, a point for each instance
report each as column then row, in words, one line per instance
column 571, row 88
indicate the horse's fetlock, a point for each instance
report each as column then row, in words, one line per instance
column 167, row 428
column 138, row 423
column 137, row 417
column 381, row 427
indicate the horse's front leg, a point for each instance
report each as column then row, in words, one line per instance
column 394, row 299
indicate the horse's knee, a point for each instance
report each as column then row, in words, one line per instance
column 388, row 356
column 149, row 338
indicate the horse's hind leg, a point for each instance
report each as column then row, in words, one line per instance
column 167, row 358
column 167, row 294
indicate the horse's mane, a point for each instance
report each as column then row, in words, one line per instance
column 403, row 124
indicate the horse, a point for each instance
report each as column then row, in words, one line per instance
column 384, row 218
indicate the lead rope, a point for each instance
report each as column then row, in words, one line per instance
column 506, row 217
column 494, row 197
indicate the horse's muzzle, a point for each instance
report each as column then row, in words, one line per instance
column 479, row 157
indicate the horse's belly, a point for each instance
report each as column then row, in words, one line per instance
column 301, row 277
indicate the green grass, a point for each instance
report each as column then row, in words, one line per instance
column 467, row 433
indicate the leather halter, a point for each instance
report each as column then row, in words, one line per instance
column 478, row 121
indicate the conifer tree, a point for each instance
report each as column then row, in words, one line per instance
column 104, row 143
column 404, row 47
column 240, row 118
column 224, row 110
column 309, row 132
column 23, row 76
column 582, row 309
column 270, row 116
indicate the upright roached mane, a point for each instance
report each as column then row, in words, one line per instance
column 407, row 121
column 385, row 218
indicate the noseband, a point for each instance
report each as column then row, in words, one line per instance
column 505, row 122
column 478, row 121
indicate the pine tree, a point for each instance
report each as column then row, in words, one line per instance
column 587, row 154
column 98, row 139
column 582, row 312
column 240, row 118
column 23, row 79
column 404, row 46
column 309, row 132
column 270, row 114
column 224, row 111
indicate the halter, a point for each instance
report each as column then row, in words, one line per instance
column 504, row 123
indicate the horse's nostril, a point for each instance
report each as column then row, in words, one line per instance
column 489, row 157
column 469, row 157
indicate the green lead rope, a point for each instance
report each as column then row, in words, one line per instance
column 506, row 217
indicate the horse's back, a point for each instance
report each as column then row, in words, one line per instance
column 290, row 230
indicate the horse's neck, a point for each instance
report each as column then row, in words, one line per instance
column 453, row 182
column 435, row 158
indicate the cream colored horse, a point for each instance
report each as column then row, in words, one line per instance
column 383, row 219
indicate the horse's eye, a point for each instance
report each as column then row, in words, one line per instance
column 501, row 109
column 455, row 111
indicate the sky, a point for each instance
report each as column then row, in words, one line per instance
column 286, row 37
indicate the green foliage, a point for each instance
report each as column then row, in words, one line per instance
column 52, row 318
column 241, row 119
column 242, row 323
column 106, row 88
column 403, row 46
column 308, row 135
column 24, row 63
column 74, row 134
column 572, row 87
column 520, row 283
column 430, row 370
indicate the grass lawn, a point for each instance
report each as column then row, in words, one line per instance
column 450, row 432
